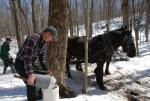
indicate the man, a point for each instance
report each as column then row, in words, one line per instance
column 5, row 56
column 34, row 48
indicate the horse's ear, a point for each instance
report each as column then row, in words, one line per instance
column 124, row 27
column 129, row 33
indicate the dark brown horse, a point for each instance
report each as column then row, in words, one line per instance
column 101, row 49
column 78, row 62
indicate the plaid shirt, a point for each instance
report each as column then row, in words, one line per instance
column 34, row 47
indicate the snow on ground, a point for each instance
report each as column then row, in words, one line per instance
column 11, row 89
column 127, row 79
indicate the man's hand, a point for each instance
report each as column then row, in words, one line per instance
column 31, row 79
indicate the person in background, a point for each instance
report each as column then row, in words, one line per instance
column 34, row 48
column 5, row 56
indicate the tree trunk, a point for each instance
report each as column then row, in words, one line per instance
column 16, row 21
column 135, row 26
column 87, row 29
column 42, row 17
column 25, row 17
column 91, row 19
column 108, row 14
column 125, row 12
column 131, row 19
column 34, row 21
column 77, row 19
column 147, row 20
column 70, row 18
column 57, row 51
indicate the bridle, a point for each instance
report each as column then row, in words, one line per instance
column 127, row 41
column 109, row 48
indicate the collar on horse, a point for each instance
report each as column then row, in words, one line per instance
column 109, row 49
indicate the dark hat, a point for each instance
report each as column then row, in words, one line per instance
column 8, row 39
column 52, row 30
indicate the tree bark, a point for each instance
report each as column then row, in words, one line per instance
column 70, row 18
column 87, row 29
column 57, row 51
column 77, row 19
column 125, row 12
column 91, row 19
column 17, row 22
column 25, row 17
column 147, row 20
column 34, row 21
column 108, row 14
column 135, row 26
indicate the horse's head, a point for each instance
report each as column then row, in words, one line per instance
column 128, row 44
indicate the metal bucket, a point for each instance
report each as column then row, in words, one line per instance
column 44, row 81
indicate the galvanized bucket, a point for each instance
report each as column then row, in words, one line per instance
column 44, row 81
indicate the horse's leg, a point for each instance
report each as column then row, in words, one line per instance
column 12, row 65
column 107, row 68
column 99, row 75
column 12, row 68
column 68, row 70
column 78, row 66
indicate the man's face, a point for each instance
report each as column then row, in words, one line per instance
column 47, row 36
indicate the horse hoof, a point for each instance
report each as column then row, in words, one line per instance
column 14, row 72
column 79, row 69
column 102, row 88
column 70, row 77
column 107, row 73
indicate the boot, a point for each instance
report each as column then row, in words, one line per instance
column 4, row 70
